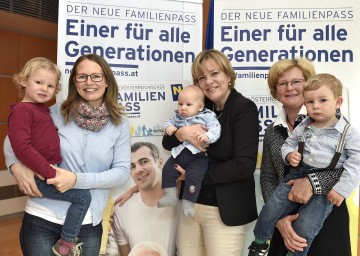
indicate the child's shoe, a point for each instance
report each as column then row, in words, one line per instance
column 256, row 249
column 64, row 248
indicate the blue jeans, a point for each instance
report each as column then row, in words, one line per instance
column 311, row 218
column 80, row 200
column 37, row 236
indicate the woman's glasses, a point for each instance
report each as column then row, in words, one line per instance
column 96, row 77
column 294, row 83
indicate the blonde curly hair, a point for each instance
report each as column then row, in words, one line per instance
column 30, row 67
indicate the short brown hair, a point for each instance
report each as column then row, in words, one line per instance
column 155, row 152
column 327, row 80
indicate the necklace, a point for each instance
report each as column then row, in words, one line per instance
column 217, row 113
column 287, row 120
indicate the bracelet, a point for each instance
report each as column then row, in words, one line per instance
column 311, row 184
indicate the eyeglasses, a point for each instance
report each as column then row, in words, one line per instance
column 294, row 83
column 96, row 77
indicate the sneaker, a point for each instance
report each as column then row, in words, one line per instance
column 256, row 249
column 64, row 248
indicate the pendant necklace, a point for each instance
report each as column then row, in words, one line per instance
column 217, row 113
column 287, row 119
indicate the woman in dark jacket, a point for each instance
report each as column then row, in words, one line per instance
column 335, row 230
column 227, row 196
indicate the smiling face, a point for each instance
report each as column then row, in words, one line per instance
column 214, row 83
column 41, row 86
column 291, row 96
column 92, row 92
column 321, row 105
column 145, row 171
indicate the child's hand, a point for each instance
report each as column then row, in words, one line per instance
column 126, row 195
column 294, row 158
column 202, row 137
column 170, row 130
column 335, row 198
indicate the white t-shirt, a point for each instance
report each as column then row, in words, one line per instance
column 135, row 222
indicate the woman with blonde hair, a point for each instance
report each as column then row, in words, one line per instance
column 226, row 201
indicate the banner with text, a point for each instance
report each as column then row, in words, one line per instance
column 255, row 34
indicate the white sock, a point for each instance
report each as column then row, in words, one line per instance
column 188, row 208
column 169, row 199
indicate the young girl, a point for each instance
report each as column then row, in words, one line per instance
column 36, row 144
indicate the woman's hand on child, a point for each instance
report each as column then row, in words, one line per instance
column 25, row 179
column 181, row 171
column 64, row 179
column 188, row 133
column 291, row 239
column 301, row 190
column 335, row 198
column 202, row 137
